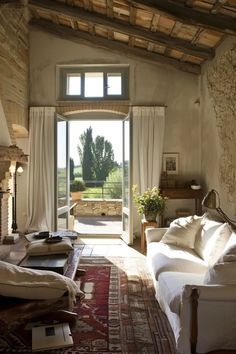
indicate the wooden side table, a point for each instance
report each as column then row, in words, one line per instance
column 144, row 225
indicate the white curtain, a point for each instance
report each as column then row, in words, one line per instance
column 40, row 210
column 148, row 130
column 148, row 138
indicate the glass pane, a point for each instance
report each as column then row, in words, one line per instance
column 73, row 86
column 61, row 164
column 62, row 222
column 114, row 84
column 93, row 85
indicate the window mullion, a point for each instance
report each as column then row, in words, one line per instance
column 105, row 83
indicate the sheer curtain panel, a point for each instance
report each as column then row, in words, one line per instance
column 148, row 138
column 40, row 211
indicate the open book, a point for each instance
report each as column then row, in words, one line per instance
column 51, row 337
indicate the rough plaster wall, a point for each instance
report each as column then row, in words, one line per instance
column 149, row 84
column 219, row 126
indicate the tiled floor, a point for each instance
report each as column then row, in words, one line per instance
column 90, row 246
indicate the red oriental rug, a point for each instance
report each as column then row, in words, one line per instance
column 118, row 315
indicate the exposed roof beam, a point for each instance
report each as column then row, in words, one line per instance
column 122, row 27
column 189, row 15
column 121, row 48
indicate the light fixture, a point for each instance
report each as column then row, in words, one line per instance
column 212, row 201
column 17, row 171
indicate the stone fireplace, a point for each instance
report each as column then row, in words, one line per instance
column 10, row 157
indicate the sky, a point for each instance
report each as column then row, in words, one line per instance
column 111, row 130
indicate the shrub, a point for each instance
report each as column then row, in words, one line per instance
column 113, row 185
column 77, row 186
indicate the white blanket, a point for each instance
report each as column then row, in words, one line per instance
column 34, row 284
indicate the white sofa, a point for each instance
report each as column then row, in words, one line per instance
column 193, row 264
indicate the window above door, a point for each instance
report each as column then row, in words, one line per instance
column 93, row 82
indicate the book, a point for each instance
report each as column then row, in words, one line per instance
column 11, row 239
column 51, row 337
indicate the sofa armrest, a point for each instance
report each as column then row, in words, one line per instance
column 155, row 234
column 210, row 313
column 212, row 292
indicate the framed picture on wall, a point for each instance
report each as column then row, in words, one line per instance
column 171, row 163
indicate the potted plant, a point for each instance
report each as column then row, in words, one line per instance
column 76, row 187
column 150, row 203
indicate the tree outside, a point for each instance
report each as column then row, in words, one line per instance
column 97, row 157
column 86, row 155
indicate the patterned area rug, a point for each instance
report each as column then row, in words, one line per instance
column 118, row 315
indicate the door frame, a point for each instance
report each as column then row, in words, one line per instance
column 127, row 211
column 66, row 208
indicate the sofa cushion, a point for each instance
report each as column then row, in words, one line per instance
column 203, row 236
column 224, row 270
column 182, row 231
column 41, row 247
column 166, row 258
column 171, row 286
column 216, row 243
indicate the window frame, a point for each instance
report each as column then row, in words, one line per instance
column 106, row 69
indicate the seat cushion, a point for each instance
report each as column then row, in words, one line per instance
column 41, row 247
column 169, row 258
column 171, row 285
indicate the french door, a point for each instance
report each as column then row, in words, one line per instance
column 127, row 219
column 62, row 185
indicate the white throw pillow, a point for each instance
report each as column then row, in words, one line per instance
column 215, row 245
column 208, row 227
column 224, row 270
column 41, row 247
column 182, row 232
column 34, row 284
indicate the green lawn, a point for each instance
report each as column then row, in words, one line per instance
column 93, row 193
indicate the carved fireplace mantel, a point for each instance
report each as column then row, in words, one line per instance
column 12, row 153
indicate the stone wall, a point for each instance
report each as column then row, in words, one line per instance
column 218, row 126
column 14, row 66
column 98, row 207
column 222, row 87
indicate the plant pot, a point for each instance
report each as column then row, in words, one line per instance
column 151, row 216
column 76, row 195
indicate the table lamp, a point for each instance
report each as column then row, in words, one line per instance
column 212, row 201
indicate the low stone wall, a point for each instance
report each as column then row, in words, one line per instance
column 98, row 207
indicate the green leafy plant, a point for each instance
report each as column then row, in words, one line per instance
column 113, row 184
column 150, row 201
column 77, row 186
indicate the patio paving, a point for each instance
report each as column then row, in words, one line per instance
column 98, row 225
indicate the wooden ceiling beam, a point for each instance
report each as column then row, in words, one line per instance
column 111, row 45
column 188, row 15
column 157, row 37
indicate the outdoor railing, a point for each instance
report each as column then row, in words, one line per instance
column 102, row 189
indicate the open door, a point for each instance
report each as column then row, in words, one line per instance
column 62, row 185
column 127, row 219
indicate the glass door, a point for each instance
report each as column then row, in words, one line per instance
column 127, row 219
column 62, row 176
